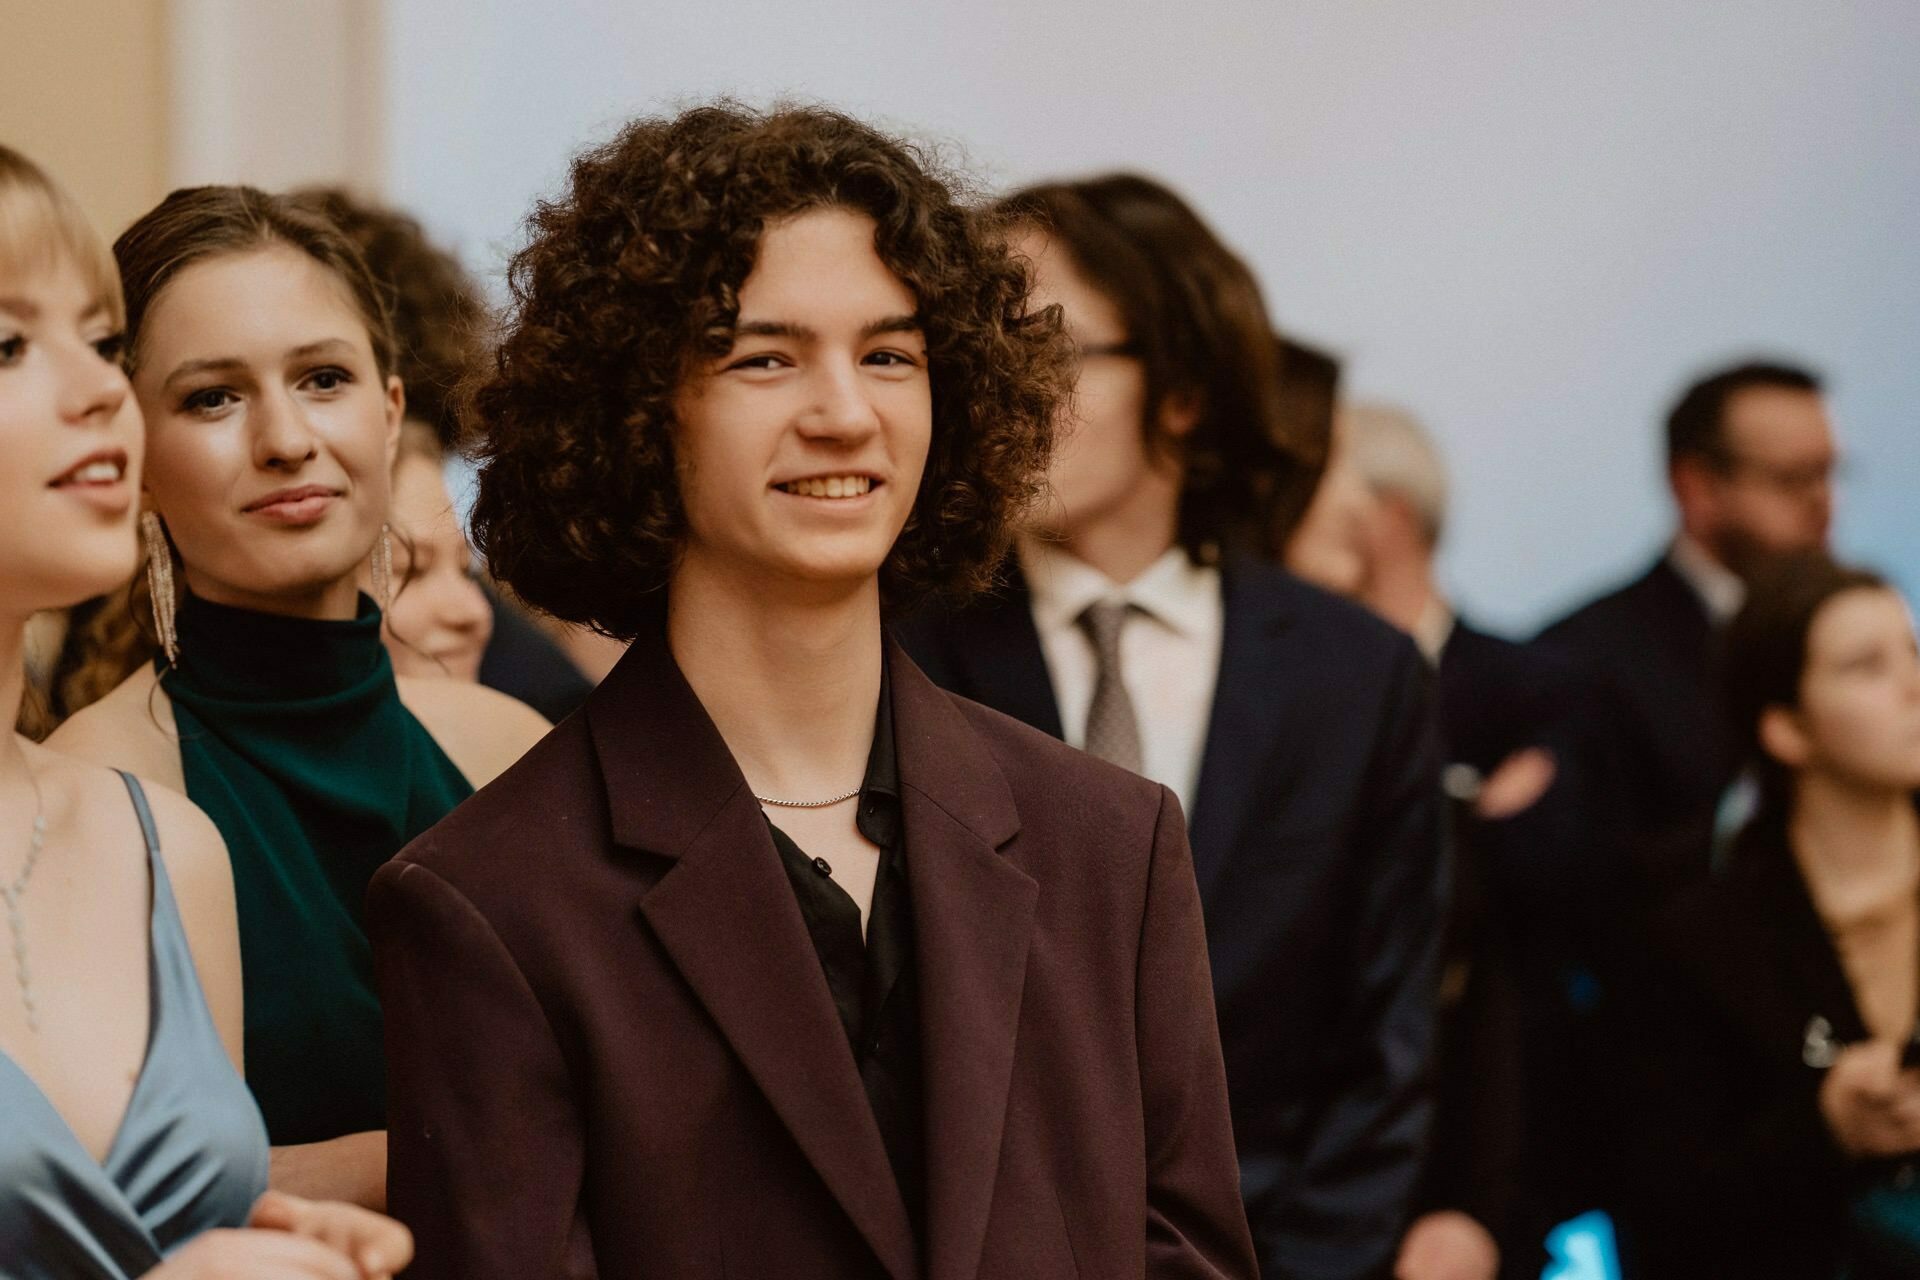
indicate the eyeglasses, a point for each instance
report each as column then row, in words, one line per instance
column 1124, row 350
column 1797, row 481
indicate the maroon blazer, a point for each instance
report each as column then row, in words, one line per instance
column 612, row 1052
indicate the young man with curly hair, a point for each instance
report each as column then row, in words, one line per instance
column 778, row 960
column 1142, row 624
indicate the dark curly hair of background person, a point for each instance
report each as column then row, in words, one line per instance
column 635, row 273
column 439, row 316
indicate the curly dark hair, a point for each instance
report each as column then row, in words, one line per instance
column 439, row 315
column 636, row 272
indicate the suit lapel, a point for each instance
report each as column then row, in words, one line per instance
column 1247, row 718
column 998, row 648
column 973, row 911
column 726, row 916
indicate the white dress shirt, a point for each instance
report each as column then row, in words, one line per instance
column 1169, row 652
column 1720, row 589
column 1433, row 629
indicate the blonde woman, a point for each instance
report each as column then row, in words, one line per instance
column 130, row 1145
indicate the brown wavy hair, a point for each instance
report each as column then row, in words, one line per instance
column 439, row 316
column 636, row 271
column 1199, row 326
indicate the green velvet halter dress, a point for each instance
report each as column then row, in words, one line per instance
column 294, row 741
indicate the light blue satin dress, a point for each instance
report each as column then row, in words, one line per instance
column 191, row 1153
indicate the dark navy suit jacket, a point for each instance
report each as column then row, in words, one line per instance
column 1506, row 1078
column 1317, row 839
column 1657, row 739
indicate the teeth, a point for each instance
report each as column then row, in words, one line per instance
column 830, row 486
column 101, row 472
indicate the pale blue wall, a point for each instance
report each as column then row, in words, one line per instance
column 1529, row 222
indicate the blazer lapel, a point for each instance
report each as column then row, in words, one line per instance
column 973, row 911
column 1247, row 718
column 726, row 916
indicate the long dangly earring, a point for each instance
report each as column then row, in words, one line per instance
column 383, row 568
column 160, row 583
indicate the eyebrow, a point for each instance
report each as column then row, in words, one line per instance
column 227, row 364
column 25, row 309
column 804, row 333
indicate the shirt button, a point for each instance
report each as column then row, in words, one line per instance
column 824, row 867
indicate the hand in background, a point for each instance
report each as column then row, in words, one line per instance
column 1872, row 1105
column 1516, row 783
column 377, row 1244
column 1447, row 1245
column 255, row 1255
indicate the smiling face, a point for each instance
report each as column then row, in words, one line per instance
column 70, row 441
column 800, row 450
column 1858, row 718
column 271, row 430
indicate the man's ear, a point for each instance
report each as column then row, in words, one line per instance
column 1696, row 490
column 396, row 414
column 1783, row 737
column 1394, row 517
column 1180, row 414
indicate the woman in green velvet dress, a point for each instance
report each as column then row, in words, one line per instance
column 262, row 358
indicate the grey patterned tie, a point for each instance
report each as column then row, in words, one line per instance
column 1113, row 734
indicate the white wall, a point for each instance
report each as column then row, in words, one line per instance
column 1528, row 221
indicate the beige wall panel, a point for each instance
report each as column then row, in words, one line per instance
column 83, row 91
column 278, row 92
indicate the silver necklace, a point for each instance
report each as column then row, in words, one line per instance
column 808, row 804
column 17, row 890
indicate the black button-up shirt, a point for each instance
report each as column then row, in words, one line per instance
column 873, row 982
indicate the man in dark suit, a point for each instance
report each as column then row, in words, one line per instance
column 1750, row 458
column 778, row 960
column 1295, row 727
column 1492, row 1184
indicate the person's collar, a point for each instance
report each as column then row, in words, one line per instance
column 1063, row 586
column 879, row 814
column 1719, row 588
column 1433, row 628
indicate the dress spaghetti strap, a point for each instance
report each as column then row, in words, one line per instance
column 148, row 832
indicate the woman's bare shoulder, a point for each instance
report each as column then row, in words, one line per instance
column 191, row 849
column 482, row 730
column 195, row 855
column 131, row 728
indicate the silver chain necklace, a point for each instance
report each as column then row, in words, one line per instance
column 17, row 890
column 808, row 804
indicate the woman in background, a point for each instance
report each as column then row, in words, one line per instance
column 439, row 620
column 262, row 359
column 129, row 1136
column 1778, row 1122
